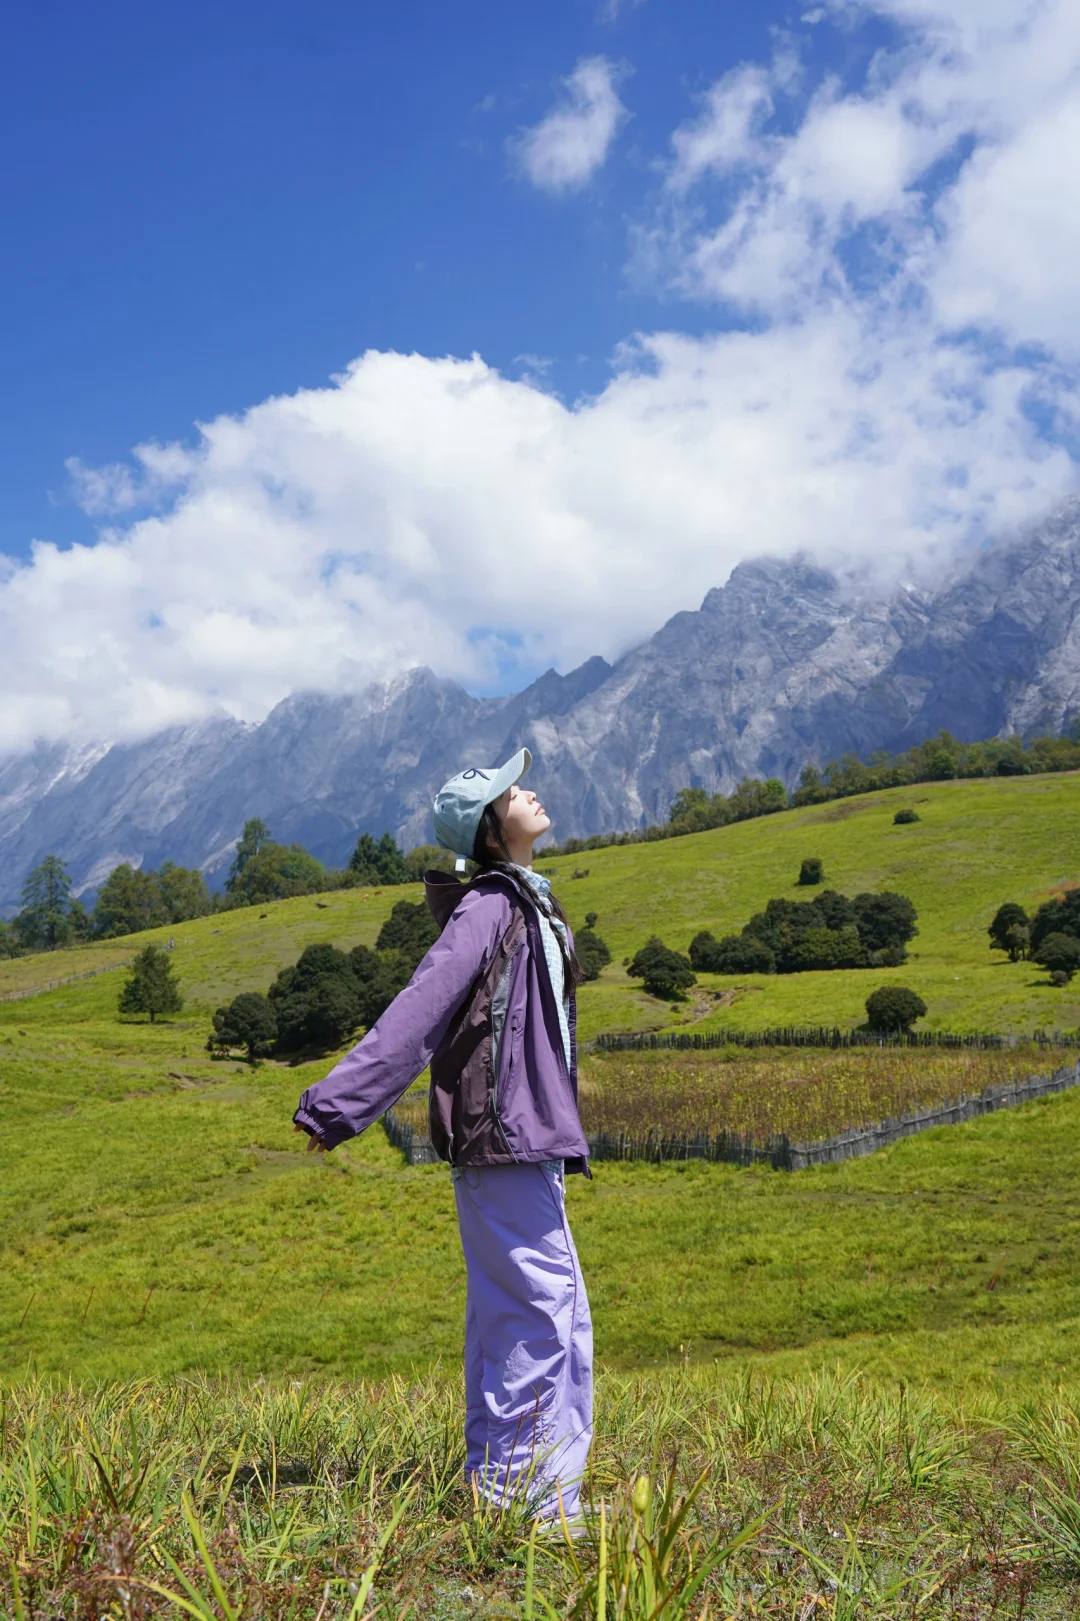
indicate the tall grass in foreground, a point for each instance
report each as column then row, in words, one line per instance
column 708, row 1495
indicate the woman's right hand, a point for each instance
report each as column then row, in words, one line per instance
column 315, row 1146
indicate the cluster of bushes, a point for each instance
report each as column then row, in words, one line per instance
column 830, row 931
column 131, row 900
column 328, row 993
column 939, row 759
column 264, row 870
column 1051, row 938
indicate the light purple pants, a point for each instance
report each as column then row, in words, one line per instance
column 528, row 1338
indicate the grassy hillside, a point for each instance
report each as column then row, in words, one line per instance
column 157, row 1213
column 979, row 843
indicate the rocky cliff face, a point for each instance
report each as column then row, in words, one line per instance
column 777, row 668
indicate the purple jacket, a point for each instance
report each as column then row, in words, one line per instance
column 528, row 1092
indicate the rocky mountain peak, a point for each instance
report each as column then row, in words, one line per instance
column 781, row 666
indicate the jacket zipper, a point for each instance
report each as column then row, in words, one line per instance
column 493, row 1091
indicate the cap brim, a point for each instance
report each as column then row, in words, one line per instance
column 507, row 775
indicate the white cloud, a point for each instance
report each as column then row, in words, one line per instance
column 432, row 511
column 611, row 10
column 880, row 409
column 569, row 145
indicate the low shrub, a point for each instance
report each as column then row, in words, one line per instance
column 812, row 871
column 247, row 1021
column 893, row 1007
column 665, row 973
column 904, row 818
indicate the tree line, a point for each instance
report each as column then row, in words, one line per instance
column 938, row 759
column 133, row 898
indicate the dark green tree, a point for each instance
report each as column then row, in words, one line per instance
column 275, row 872
column 184, row 894
column 1060, row 953
column 812, row 871
column 884, row 920
column 364, row 860
column 9, row 941
column 256, row 834
column 665, row 973
column 893, row 1009
column 410, row 929
column 427, row 858
column 734, row 954
column 827, row 948
column 45, row 920
column 393, row 970
column 391, row 864
column 904, row 818
column 378, row 863
column 247, row 1021
column 317, row 1002
column 1060, row 916
column 942, row 766
column 151, row 987
column 1008, row 918
column 129, row 900
column 591, row 951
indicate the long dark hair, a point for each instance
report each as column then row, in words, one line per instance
column 491, row 855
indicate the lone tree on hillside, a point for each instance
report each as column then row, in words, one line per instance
column 247, row 1021
column 48, row 915
column 666, row 973
column 152, row 987
column 904, row 817
column 1010, row 931
column 812, row 871
column 893, row 1009
column 1060, row 953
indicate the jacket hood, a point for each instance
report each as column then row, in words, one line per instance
column 443, row 891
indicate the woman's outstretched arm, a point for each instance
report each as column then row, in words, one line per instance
column 370, row 1079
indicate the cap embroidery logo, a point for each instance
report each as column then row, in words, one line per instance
column 473, row 772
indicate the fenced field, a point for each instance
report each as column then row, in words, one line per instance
column 803, row 1094
column 790, row 1108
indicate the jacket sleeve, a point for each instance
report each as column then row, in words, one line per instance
column 370, row 1079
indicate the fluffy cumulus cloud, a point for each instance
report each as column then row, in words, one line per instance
column 569, row 145
column 893, row 374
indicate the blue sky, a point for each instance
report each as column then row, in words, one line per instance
column 737, row 279
column 213, row 203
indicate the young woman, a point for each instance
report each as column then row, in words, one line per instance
column 491, row 1009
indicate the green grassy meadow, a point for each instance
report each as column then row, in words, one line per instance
column 158, row 1214
column 229, row 1370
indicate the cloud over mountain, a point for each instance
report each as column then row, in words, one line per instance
column 892, row 376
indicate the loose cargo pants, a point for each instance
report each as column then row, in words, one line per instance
column 528, row 1339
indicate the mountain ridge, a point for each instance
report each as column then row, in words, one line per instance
column 780, row 667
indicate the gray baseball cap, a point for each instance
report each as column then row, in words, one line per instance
column 459, row 803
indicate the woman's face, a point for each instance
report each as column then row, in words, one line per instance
column 522, row 819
